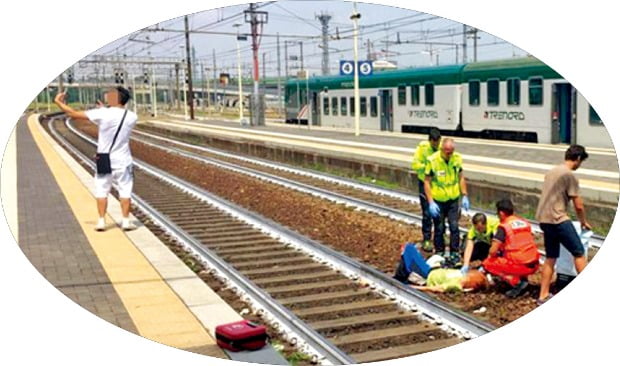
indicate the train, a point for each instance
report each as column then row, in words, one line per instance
column 519, row 99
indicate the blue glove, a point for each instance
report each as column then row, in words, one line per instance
column 464, row 270
column 465, row 203
column 433, row 208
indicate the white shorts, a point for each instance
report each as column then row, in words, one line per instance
column 122, row 179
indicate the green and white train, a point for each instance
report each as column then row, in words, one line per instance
column 517, row 99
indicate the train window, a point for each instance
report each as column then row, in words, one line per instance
column 594, row 117
column 474, row 92
column 429, row 94
column 415, row 94
column 513, row 87
column 536, row 91
column 326, row 106
column 363, row 107
column 352, row 106
column 343, row 106
column 493, row 92
column 373, row 107
column 334, row 106
column 402, row 95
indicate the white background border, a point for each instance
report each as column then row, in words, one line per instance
column 40, row 326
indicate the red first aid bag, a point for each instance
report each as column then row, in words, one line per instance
column 241, row 335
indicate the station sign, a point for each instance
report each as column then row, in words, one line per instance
column 347, row 67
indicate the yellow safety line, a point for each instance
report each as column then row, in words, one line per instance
column 155, row 309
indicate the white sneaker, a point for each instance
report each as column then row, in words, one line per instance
column 100, row 224
column 127, row 225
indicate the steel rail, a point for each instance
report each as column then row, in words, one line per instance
column 443, row 314
column 596, row 241
column 285, row 318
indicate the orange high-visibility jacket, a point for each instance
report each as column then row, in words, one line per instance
column 519, row 245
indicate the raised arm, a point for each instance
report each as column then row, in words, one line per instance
column 70, row 112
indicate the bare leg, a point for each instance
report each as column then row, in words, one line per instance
column 102, row 206
column 547, row 274
column 125, row 206
column 580, row 263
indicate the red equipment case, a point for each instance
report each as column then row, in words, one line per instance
column 241, row 335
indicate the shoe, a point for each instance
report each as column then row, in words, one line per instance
column 100, row 225
column 517, row 290
column 542, row 301
column 127, row 225
column 427, row 246
column 455, row 259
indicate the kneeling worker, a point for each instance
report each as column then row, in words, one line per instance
column 478, row 239
column 513, row 255
column 437, row 279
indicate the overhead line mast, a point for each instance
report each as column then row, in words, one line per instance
column 190, row 97
column 256, row 18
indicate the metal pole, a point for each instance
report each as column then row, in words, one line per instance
column 204, row 90
column 356, row 82
column 285, row 60
column 475, row 33
column 464, row 43
column 189, row 70
column 208, row 94
column 176, row 95
column 280, row 101
column 239, row 83
column 301, row 54
column 154, row 97
column 256, row 97
column 215, row 104
column 264, row 76
column 308, row 100
column 185, row 96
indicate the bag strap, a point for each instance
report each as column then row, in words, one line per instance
column 117, row 131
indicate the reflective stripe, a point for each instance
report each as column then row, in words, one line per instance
column 445, row 176
column 421, row 154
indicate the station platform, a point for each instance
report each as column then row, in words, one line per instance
column 511, row 164
column 130, row 279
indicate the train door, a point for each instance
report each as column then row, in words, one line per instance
column 387, row 112
column 562, row 114
column 316, row 115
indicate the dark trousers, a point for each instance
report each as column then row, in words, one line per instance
column 449, row 210
column 427, row 221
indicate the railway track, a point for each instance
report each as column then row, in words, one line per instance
column 397, row 205
column 339, row 309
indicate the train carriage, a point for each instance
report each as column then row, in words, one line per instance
column 517, row 99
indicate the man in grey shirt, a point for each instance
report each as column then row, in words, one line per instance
column 560, row 187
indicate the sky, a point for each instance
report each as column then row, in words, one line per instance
column 380, row 25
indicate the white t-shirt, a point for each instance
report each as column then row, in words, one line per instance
column 108, row 120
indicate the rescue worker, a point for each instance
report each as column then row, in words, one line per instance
column 437, row 279
column 559, row 187
column 422, row 152
column 513, row 255
column 478, row 239
column 444, row 185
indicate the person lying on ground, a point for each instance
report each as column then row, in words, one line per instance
column 437, row 279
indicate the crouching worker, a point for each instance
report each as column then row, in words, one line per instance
column 437, row 279
column 513, row 255
column 478, row 239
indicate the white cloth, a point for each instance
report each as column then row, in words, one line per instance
column 565, row 263
column 122, row 180
column 108, row 120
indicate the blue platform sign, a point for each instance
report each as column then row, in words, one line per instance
column 347, row 68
